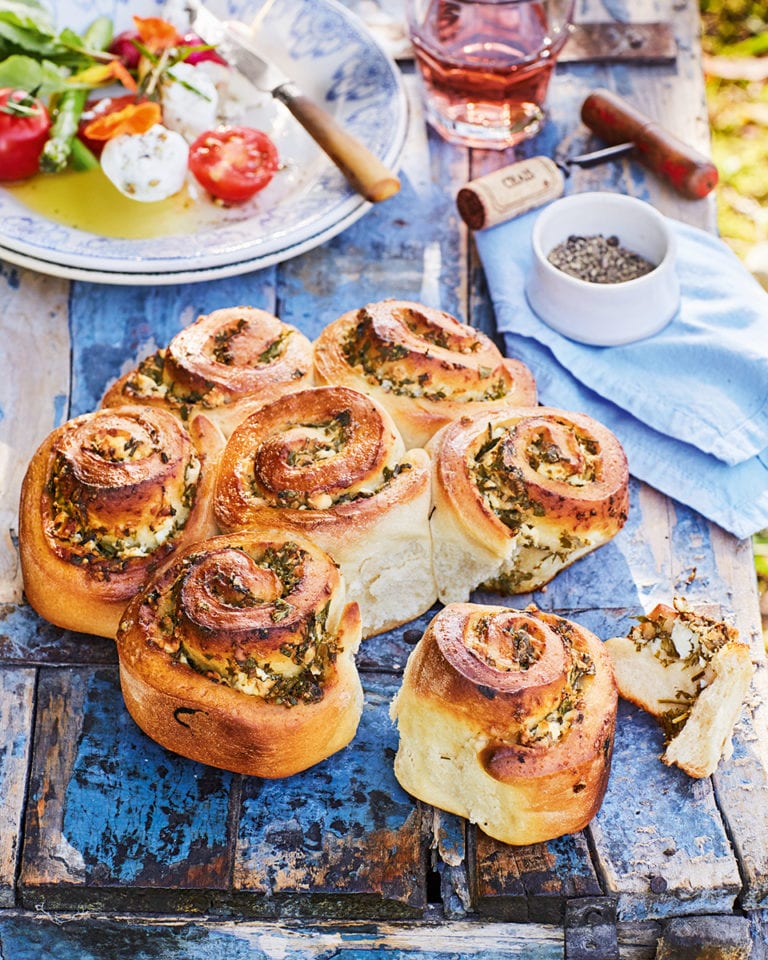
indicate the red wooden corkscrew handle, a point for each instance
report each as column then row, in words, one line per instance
column 615, row 121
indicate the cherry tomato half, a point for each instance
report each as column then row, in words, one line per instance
column 233, row 163
column 24, row 127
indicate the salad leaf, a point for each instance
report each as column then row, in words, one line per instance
column 32, row 13
column 26, row 27
column 39, row 76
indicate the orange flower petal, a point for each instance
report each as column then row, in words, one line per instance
column 155, row 33
column 135, row 118
column 101, row 74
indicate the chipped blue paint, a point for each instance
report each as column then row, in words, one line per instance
column 691, row 537
column 161, row 811
column 30, row 938
column 651, row 813
column 354, row 791
column 27, row 638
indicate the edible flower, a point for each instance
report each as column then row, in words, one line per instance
column 133, row 118
column 156, row 34
column 102, row 74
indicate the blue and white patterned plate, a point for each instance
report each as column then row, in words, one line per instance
column 336, row 61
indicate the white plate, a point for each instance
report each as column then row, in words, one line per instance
column 337, row 62
column 167, row 277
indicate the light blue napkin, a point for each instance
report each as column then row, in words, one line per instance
column 690, row 405
column 703, row 379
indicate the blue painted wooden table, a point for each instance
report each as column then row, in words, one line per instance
column 111, row 846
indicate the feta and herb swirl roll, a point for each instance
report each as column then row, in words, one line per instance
column 106, row 498
column 330, row 463
column 692, row 672
column 222, row 364
column 521, row 494
column 507, row 717
column 422, row 364
column 240, row 654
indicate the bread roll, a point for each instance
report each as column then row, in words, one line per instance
column 241, row 655
column 519, row 494
column 106, row 498
column 692, row 673
column 222, row 364
column 423, row 365
column 507, row 717
column 329, row 462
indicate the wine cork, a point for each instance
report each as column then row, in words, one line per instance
column 509, row 192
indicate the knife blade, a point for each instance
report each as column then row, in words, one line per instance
column 240, row 47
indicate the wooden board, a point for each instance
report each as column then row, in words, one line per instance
column 112, row 824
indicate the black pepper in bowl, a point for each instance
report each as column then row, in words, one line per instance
column 598, row 259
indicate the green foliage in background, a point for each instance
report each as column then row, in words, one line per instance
column 735, row 45
column 738, row 26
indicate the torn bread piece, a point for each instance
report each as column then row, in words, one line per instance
column 692, row 673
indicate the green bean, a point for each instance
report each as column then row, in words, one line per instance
column 83, row 158
column 67, row 113
column 70, row 104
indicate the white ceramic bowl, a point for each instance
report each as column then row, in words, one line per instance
column 604, row 314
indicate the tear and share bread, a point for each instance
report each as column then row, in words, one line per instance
column 240, row 654
column 692, row 673
column 329, row 462
column 519, row 494
column 422, row 364
column 106, row 499
column 507, row 717
column 224, row 364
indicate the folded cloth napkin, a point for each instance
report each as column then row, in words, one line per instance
column 690, row 405
column 703, row 379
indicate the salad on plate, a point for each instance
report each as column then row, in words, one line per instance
column 153, row 106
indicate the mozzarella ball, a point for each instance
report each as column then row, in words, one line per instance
column 147, row 166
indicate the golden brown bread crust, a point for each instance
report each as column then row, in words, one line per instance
column 106, row 499
column 329, row 462
column 240, row 654
column 507, row 717
column 519, row 494
column 224, row 364
column 422, row 364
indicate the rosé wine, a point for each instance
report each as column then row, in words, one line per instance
column 485, row 65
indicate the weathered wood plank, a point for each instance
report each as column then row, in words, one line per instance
column 449, row 862
column 25, row 638
column 532, row 883
column 662, row 848
column 33, row 393
column 341, row 839
column 17, row 689
column 29, row 937
column 741, row 785
column 113, row 820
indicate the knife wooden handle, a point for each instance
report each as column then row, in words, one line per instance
column 367, row 174
column 616, row 121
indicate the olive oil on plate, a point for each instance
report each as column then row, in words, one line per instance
column 88, row 201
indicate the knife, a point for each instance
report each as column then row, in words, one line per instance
column 240, row 47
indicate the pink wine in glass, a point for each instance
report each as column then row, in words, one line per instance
column 486, row 64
